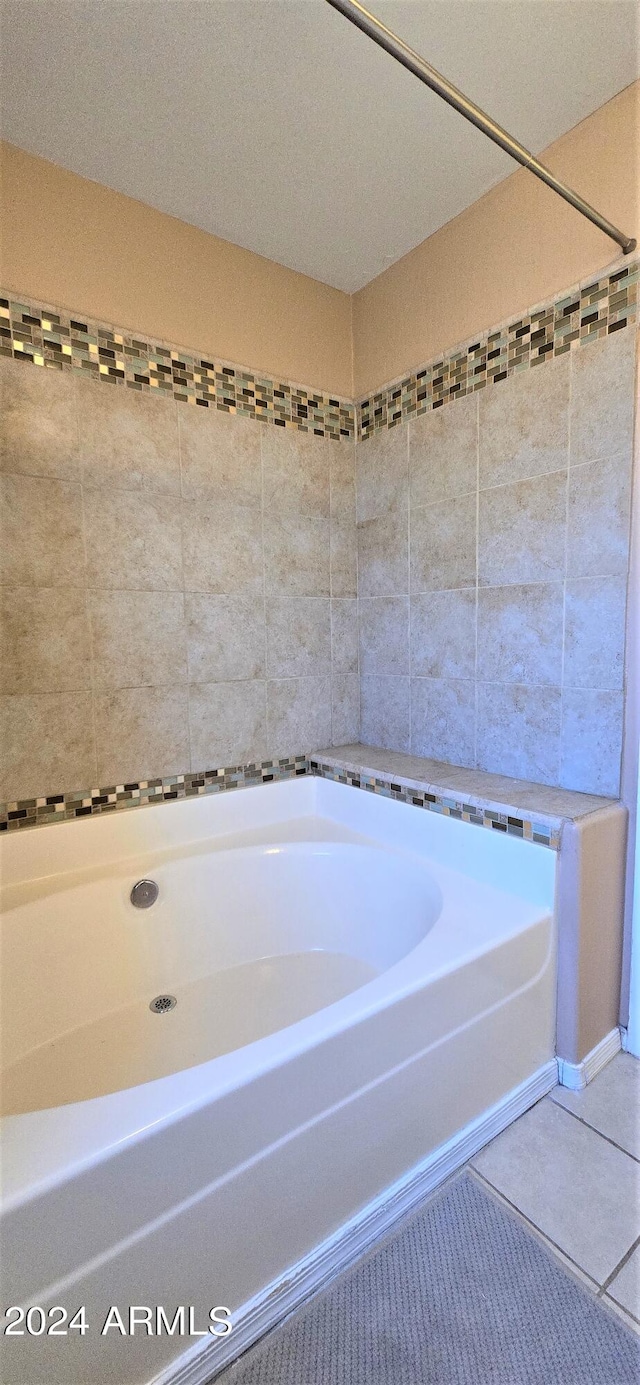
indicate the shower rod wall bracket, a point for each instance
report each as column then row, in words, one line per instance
column 398, row 49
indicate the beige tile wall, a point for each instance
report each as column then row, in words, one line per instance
column 493, row 540
column 178, row 587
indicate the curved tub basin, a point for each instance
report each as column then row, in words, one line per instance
column 361, row 987
column 245, row 941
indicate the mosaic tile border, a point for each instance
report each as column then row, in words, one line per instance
column 38, row 812
column 48, row 336
column 593, row 310
column 52, row 337
column 525, row 828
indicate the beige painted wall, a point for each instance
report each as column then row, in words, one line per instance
column 79, row 245
column 516, row 246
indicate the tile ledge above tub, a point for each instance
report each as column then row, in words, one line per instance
column 518, row 807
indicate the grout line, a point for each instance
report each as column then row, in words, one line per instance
column 355, row 528
column 86, row 589
column 184, row 604
column 475, row 664
column 331, row 596
column 265, row 650
column 621, row 1263
column 426, row 591
column 358, row 597
column 612, row 1306
column 485, row 683
column 589, row 1126
column 566, row 567
column 539, row 1233
column 410, row 670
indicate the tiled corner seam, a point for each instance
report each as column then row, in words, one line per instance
column 595, row 309
column 38, row 812
column 525, row 828
column 46, row 336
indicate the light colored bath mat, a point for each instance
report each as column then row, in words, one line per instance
column 463, row 1294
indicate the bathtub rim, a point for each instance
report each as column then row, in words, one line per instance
column 164, row 1099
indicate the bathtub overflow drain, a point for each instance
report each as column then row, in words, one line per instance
column 144, row 894
column 162, row 1003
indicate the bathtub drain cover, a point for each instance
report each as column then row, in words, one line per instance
column 162, row 1003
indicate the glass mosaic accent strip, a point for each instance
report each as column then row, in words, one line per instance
column 496, row 821
column 38, row 812
column 45, row 336
column 597, row 309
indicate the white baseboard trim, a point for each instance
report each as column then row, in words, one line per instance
column 577, row 1075
column 259, row 1315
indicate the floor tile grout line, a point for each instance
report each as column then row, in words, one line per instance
column 625, row 1314
column 589, row 1126
column 625, row 1258
column 534, row 1226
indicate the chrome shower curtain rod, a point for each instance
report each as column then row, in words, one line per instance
column 399, row 50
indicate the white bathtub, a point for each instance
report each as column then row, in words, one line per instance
column 358, row 983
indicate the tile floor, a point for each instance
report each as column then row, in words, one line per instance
column 571, row 1167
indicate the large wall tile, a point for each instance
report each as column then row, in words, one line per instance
column 44, row 640
column 342, row 477
column 443, row 634
column 519, row 731
column 139, row 638
column 296, row 555
column 298, row 715
column 227, row 724
column 47, row 745
column 520, row 634
column 443, row 545
column 591, row 741
column 222, row 546
column 133, row 541
column 385, row 711
column 345, row 709
column 522, row 531
column 383, row 556
column 344, row 636
column 602, row 392
column 344, row 557
column 524, row 424
column 296, row 472
column 38, row 427
column 225, row 636
column 141, row 733
column 443, row 720
column 127, row 440
column 443, row 452
column 599, row 518
column 220, row 457
column 594, row 632
column 41, row 532
column 384, row 634
column 382, row 474
column 298, row 636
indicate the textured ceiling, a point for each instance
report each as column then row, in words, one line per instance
column 275, row 124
